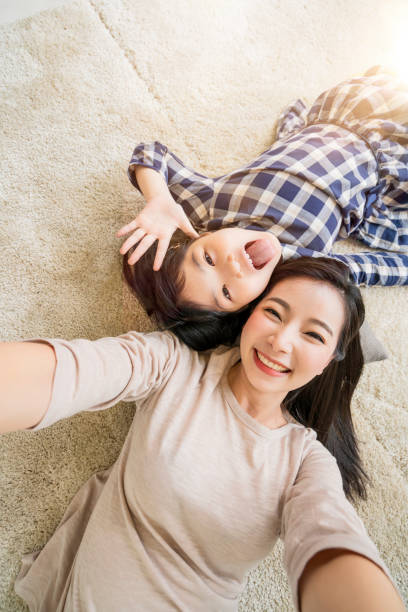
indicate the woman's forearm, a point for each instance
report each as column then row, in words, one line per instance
column 341, row 581
column 151, row 182
column 26, row 378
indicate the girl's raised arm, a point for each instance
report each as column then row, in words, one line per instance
column 158, row 220
column 26, row 378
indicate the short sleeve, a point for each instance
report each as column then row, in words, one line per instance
column 192, row 190
column 317, row 516
column 151, row 155
column 95, row 375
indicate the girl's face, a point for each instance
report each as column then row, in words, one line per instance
column 227, row 269
column 291, row 336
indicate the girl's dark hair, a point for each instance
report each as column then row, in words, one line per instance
column 158, row 293
column 324, row 403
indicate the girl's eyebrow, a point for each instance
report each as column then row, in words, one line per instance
column 195, row 260
column 202, row 268
column 286, row 306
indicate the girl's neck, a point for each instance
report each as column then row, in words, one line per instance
column 263, row 407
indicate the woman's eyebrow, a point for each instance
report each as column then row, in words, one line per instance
column 279, row 301
column 286, row 306
column 322, row 324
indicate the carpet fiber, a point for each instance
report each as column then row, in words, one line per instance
column 81, row 85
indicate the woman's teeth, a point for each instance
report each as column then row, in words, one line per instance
column 271, row 364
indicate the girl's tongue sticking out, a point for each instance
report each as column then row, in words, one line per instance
column 261, row 252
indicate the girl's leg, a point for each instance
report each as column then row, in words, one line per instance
column 291, row 120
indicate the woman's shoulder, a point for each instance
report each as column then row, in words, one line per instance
column 305, row 441
column 217, row 361
column 211, row 361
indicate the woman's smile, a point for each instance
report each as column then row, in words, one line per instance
column 270, row 366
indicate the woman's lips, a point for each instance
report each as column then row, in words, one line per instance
column 260, row 360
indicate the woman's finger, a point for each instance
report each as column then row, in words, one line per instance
column 161, row 252
column 141, row 248
column 135, row 237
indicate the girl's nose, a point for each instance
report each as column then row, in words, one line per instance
column 234, row 266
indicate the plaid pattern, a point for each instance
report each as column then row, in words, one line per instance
column 339, row 170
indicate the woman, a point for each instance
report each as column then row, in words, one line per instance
column 339, row 170
column 220, row 459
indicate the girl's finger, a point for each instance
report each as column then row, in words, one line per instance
column 161, row 252
column 188, row 229
column 135, row 237
column 127, row 228
column 141, row 248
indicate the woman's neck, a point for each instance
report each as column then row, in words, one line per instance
column 263, row 407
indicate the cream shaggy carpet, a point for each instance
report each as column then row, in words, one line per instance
column 81, row 85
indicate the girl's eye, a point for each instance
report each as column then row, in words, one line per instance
column 273, row 312
column 316, row 336
column 208, row 259
column 226, row 293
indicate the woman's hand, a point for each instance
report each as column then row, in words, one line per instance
column 158, row 221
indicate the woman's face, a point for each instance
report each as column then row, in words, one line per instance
column 227, row 269
column 291, row 336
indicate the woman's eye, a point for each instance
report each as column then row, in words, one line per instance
column 226, row 293
column 208, row 259
column 273, row 312
column 316, row 336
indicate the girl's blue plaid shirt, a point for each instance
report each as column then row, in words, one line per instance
column 307, row 196
column 322, row 180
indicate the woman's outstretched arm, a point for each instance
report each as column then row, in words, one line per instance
column 331, row 561
column 26, row 378
column 44, row 381
column 339, row 580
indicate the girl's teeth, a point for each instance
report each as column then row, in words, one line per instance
column 270, row 364
column 249, row 258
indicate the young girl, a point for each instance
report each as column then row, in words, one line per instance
column 339, row 170
column 215, row 467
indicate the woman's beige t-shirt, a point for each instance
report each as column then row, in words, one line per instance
column 198, row 495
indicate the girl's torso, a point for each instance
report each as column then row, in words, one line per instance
column 307, row 190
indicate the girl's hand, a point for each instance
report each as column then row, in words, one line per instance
column 158, row 221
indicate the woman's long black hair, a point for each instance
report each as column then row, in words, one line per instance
column 324, row 404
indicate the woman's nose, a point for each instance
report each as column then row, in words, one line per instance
column 281, row 340
column 234, row 266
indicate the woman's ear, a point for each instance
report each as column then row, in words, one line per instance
column 337, row 356
column 320, row 372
